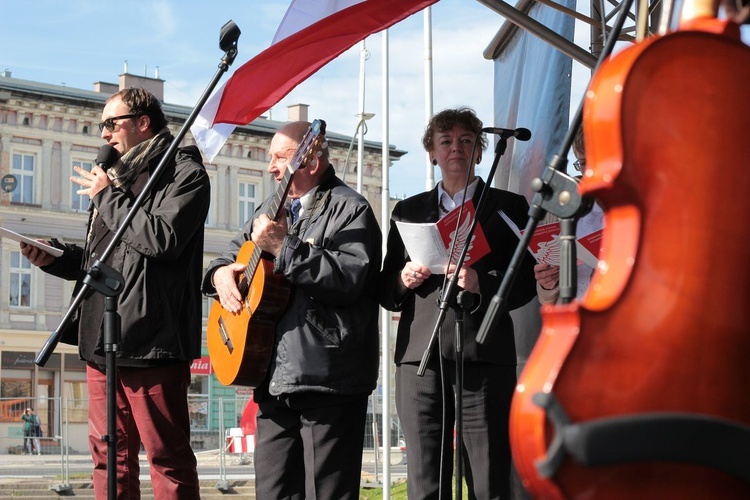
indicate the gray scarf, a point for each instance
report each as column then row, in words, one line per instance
column 131, row 164
column 124, row 172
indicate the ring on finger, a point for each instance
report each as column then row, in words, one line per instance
column 414, row 275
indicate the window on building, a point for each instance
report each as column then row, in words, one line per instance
column 23, row 169
column 15, row 392
column 209, row 222
column 198, row 401
column 246, row 199
column 75, row 393
column 20, row 280
column 77, row 399
column 206, row 302
column 79, row 202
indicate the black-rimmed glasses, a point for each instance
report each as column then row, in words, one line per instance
column 110, row 124
column 579, row 165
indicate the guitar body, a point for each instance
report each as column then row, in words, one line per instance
column 240, row 345
column 657, row 350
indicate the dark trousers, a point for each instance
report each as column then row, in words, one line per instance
column 426, row 409
column 309, row 446
column 28, row 440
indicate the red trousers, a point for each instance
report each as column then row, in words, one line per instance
column 152, row 409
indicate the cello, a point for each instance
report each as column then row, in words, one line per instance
column 640, row 389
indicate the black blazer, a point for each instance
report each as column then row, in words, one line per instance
column 419, row 308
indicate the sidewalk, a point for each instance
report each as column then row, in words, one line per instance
column 38, row 477
column 80, row 465
column 7, row 458
column 207, row 459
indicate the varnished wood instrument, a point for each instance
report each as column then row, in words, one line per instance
column 640, row 389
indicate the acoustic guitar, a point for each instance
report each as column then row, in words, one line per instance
column 240, row 345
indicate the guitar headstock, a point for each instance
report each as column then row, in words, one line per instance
column 310, row 145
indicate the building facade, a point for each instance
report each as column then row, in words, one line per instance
column 46, row 131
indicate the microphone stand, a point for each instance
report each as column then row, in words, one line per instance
column 556, row 193
column 460, row 299
column 464, row 302
column 102, row 278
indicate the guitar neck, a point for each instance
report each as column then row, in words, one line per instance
column 276, row 204
column 273, row 211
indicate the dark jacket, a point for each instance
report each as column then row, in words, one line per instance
column 326, row 341
column 160, row 257
column 419, row 308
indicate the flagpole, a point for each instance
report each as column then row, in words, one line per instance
column 385, row 315
column 361, row 135
column 430, row 182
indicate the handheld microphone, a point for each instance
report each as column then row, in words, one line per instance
column 521, row 134
column 106, row 157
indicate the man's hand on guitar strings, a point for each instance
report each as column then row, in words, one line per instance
column 269, row 235
column 225, row 283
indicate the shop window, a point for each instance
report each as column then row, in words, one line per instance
column 198, row 402
column 14, row 398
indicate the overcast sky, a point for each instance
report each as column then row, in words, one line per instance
column 79, row 42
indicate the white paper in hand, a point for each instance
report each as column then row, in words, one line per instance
column 7, row 233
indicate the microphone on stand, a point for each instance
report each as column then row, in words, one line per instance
column 521, row 134
column 107, row 156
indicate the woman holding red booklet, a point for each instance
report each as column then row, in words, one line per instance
column 426, row 403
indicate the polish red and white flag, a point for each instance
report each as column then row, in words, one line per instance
column 311, row 34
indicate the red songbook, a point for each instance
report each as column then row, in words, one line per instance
column 429, row 244
column 545, row 243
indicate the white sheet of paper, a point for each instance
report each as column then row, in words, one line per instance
column 425, row 247
column 56, row 252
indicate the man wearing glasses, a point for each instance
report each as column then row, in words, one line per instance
column 160, row 257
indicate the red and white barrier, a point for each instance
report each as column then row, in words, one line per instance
column 238, row 442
